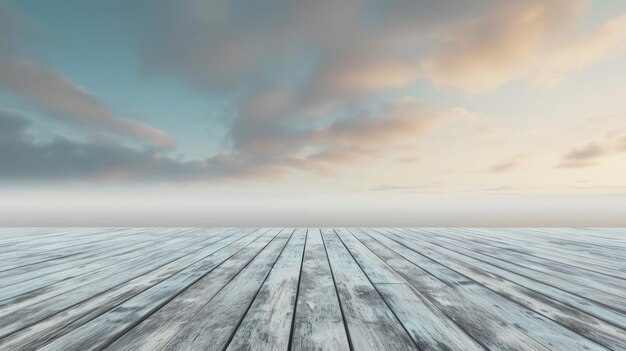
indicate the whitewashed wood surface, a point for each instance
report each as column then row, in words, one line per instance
column 312, row 289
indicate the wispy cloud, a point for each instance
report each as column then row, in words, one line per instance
column 406, row 188
column 522, row 41
column 335, row 143
column 63, row 100
column 321, row 150
column 23, row 158
column 601, row 43
column 509, row 165
column 592, row 153
column 55, row 94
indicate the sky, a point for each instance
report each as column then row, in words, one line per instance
column 302, row 113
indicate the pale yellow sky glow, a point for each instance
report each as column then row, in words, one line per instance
column 354, row 112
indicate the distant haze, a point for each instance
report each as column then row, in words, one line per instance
column 310, row 210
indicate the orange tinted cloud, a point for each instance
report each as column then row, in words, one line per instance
column 482, row 54
column 522, row 40
column 603, row 42
column 509, row 165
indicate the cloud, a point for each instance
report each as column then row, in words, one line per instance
column 62, row 99
column 55, row 94
column 60, row 159
column 601, row 43
column 594, row 152
column 509, row 165
column 349, row 47
column 503, row 45
column 310, row 144
column 337, row 52
column 521, row 41
column 313, row 84
column 358, row 73
column 399, row 121
column 322, row 150
column 305, row 71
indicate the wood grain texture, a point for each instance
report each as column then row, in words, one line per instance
column 371, row 324
column 107, row 327
column 481, row 318
column 158, row 329
column 224, row 312
column 312, row 289
column 430, row 328
column 52, row 299
column 536, row 325
column 318, row 323
column 495, row 279
column 267, row 324
column 164, row 281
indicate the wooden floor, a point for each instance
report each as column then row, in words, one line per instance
column 311, row 289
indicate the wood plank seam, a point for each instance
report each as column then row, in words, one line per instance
column 512, row 301
column 551, row 285
column 256, row 294
column 295, row 305
column 444, row 283
column 180, row 292
column 377, row 291
column 343, row 317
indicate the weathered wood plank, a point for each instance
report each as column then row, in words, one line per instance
column 318, row 323
column 22, row 313
column 155, row 287
column 428, row 289
column 537, row 326
column 547, row 287
column 550, row 263
column 20, row 236
column 50, row 250
column 103, row 330
column 481, row 318
column 69, row 241
column 24, row 295
column 548, row 248
column 154, row 332
column 430, row 328
column 90, row 257
column 267, row 324
column 575, row 236
column 224, row 312
column 92, row 250
column 371, row 324
column 603, row 333
column 101, row 266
